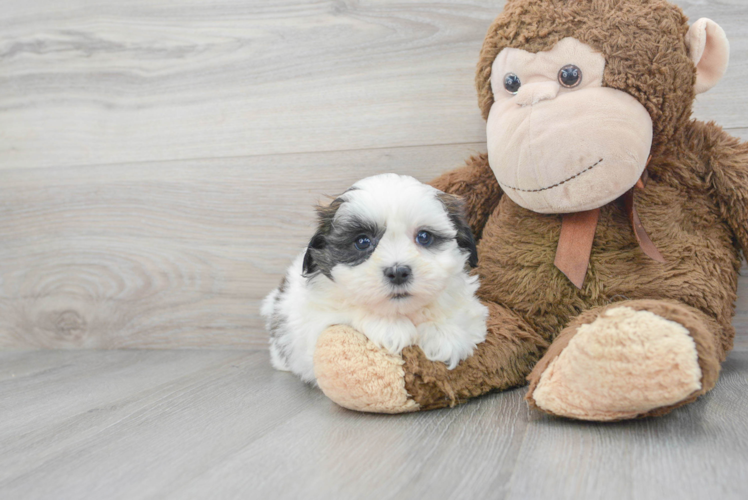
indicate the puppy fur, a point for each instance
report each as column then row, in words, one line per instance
column 339, row 279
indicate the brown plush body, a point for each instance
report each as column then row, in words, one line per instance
column 517, row 246
column 694, row 207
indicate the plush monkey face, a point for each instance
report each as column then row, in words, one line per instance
column 558, row 141
column 578, row 93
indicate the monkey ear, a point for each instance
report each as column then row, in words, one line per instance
column 710, row 52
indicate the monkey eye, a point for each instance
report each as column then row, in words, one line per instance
column 570, row 76
column 512, row 83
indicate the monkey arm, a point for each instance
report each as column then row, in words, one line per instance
column 477, row 186
column 355, row 373
column 727, row 173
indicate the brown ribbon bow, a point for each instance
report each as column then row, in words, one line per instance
column 578, row 232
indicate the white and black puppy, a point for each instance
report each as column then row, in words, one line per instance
column 390, row 258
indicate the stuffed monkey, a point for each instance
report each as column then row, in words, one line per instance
column 610, row 223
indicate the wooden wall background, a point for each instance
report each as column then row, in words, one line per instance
column 158, row 159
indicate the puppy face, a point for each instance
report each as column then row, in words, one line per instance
column 391, row 243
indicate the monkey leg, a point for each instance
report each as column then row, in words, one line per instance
column 358, row 375
column 629, row 359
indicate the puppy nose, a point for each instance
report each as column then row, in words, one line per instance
column 398, row 274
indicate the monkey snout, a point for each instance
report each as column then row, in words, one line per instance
column 532, row 93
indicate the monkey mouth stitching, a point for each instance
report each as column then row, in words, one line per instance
column 555, row 185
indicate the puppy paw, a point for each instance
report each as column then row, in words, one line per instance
column 444, row 342
column 392, row 334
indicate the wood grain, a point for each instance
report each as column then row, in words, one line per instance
column 740, row 321
column 127, row 424
column 151, row 189
column 174, row 254
column 167, row 254
column 158, row 162
column 210, row 424
column 739, row 132
column 93, row 82
column 697, row 452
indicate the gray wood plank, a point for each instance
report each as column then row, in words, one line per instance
column 92, row 82
column 740, row 321
column 107, row 440
column 201, row 424
column 697, row 452
column 174, row 254
column 742, row 133
column 40, row 385
column 168, row 254
column 374, row 456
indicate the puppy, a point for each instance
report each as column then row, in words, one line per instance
column 390, row 258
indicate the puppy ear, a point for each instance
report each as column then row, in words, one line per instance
column 325, row 217
column 456, row 210
column 310, row 266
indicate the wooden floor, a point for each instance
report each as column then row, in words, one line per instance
column 159, row 160
column 158, row 164
column 220, row 424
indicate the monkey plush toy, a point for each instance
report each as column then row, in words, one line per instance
column 610, row 223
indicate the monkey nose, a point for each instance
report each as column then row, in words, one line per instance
column 532, row 93
column 397, row 275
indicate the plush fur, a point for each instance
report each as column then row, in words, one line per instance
column 380, row 388
column 366, row 267
column 694, row 207
column 586, row 380
column 643, row 42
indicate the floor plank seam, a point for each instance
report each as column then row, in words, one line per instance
column 240, row 157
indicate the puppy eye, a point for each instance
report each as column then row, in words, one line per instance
column 424, row 238
column 512, row 83
column 570, row 76
column 362, row 242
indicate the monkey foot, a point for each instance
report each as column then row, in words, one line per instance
column 356, row 374
column 625, row 362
